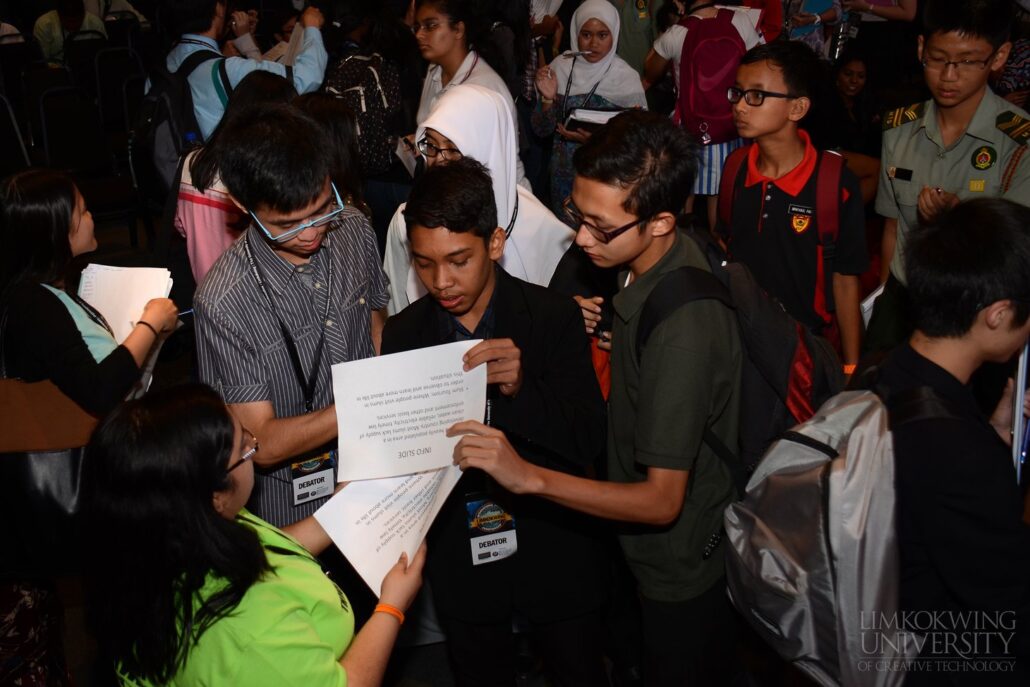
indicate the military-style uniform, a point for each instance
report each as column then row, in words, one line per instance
column 987, row 161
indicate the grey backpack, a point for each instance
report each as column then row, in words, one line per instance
column 812, row 562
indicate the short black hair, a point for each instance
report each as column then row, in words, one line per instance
column 976, row 254
column 274, row 155
column 990, row 20
column 645, row 153
column 72, row 9
column 190, row 16
column 800, row 65
column 458, row 195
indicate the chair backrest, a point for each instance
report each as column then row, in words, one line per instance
column 73, row 138
column 37, row 77
column 80, row 50
column 13, row 155
column 122, row 28
column 113, row 66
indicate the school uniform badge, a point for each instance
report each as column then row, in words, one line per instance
column 984, row 158
column 800, row 218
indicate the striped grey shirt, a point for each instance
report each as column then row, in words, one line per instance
column 242, row 353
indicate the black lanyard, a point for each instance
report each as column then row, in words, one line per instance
column 568, row 85
column 92, row 313
column 514, row 216
column 309, row 382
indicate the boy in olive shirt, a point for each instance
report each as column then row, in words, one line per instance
column 667, row 485
column 964, row 143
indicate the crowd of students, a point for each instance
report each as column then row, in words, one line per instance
column 606, row 433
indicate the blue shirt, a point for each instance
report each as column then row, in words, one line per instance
column 205, row 83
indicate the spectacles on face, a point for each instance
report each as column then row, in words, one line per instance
column 753, row 96
column 250, row 447
column 290, row 233
column 939, row 64
column 429, row 150
column 576, row 217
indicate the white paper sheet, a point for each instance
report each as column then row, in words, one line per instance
column 373, row 521
column 393, row 411
column 868, row 303
column 121, row 293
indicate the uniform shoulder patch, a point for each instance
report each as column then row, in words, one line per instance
column 1015, row 126
column 903, row 115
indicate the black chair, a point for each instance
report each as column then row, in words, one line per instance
column 35, row 79
column 123, row 29
column 80, row 52
column 14, row 57
column 13, row 155
column 73, row 140
column 113, row 66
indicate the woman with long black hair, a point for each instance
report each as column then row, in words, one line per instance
column 186, row 587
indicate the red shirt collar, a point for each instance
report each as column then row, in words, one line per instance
column 793, row 181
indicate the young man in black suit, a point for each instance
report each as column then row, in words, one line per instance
column 492, row 554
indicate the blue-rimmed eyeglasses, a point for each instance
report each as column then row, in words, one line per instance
column 250, row 447
column 290, row 233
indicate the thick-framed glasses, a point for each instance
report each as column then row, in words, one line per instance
column 939, row 64
column 290, row 233
column 429, row 150
column 753, row 96
column 576, row 217
column 250, row 447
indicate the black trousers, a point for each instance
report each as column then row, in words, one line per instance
column 484, row 655
column 690, row 643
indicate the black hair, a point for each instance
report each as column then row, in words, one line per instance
column 458, row 195
column 191, row 16
column 256, row 87
column 800, row 65
column 341, row 126
column 976, row 254
column 667, row 16
column 276, row 156
column 645, row 153
column 513, row 14
column 71, row 9
column 36, row 208
column 463, row 11
column 990, row 20
column 153, row 533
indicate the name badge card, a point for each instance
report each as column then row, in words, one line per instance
column 491, row 530
column 313, row 479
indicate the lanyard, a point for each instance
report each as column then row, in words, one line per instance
column 568, row 85
column 308, row 383
column 514, row 216
column 465, row 78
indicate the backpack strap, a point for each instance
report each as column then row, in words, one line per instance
column 827, row 215
column 728, row 184
column 920, row 403
column 220, row 77
column 675, row 289
column 194, row 60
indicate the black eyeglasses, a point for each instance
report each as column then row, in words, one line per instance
column 753, row 96
column 430, row 150
column 939, row 64
column 576, row 217
column 248, row 453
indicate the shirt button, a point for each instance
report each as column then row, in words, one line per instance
column 361, row 300
column 318, row 284
column 329, row 323
column 941, row 155
column 768, row 197
column 765, row 215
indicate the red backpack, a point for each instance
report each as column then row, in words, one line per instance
column 708, row 68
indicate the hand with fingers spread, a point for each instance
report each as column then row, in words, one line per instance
column 487, row 449
column 503, row 363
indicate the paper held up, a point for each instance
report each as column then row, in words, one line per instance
column 121, row 293
column 373, row 521
column 393, row 411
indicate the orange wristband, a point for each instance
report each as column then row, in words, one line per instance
column 390, row 610
column 850, row 369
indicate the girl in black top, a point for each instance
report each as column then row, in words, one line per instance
column 48, row 332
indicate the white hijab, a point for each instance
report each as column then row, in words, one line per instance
column 616, row 81
column 477, row 120
column 480, row 124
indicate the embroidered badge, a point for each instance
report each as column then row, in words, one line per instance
column 984, row 157
column 800, row 218
column 977, row 185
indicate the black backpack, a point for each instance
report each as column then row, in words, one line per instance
column 371, row 87
column 788, row 372
column 167, row 125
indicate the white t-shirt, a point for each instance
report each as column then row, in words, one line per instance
column 670, row 44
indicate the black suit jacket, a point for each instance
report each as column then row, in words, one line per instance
column 557, row 420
